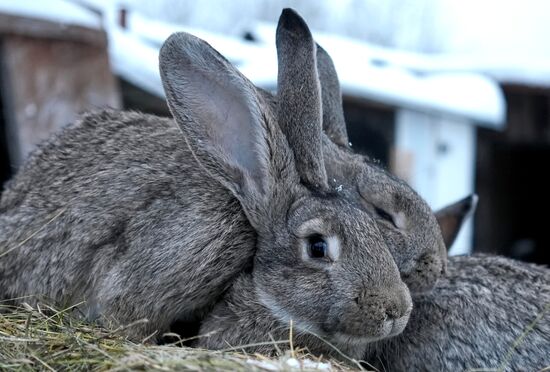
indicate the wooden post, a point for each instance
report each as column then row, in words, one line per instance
column 50, row 74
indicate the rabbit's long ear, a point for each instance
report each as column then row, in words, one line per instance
column 218, row 111
column 452, row 217
column 299, row 97
column 334, row 123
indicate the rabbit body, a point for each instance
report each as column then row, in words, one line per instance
column 487, row 312
column 137, row 218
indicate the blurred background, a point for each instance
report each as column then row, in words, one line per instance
column 451, row 95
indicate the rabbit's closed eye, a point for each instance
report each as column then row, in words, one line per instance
column 384, row 215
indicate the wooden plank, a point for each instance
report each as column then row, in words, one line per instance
column 15, row 25
column 47, row 84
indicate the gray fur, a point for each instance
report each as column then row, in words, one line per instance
column 476, row 311
column 299, row 97
column 143, row 233
column 140, row 207
column 334, row 124
column 245, row 320
column 249, row 315
column 153, row 220
column 472, row 319
column 412, row 233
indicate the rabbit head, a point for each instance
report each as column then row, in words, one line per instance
column 417, row 237
column 407, row 223
column 319, row 259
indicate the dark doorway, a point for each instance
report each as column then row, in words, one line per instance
column 135, row 98
column 5, row 164
column 511, row 179
column 371, row 129
column 517, row 223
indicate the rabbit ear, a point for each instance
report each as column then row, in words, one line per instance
column 452, row 217
column 299, row 97
column 218, row 111
column 334, row 123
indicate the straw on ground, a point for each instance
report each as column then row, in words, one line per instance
column 41, row 338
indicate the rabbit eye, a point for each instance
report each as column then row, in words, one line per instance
column 385, row 215
column 318, row 247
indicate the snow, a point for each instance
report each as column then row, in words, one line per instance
column 521, row 68
column 389, row 76
column 290, row 364
column 58, row 11
column 258, row 62
column 365, row 72
column 503, row 40
column 135, row 61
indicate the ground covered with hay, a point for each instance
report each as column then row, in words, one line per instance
column 41, row 338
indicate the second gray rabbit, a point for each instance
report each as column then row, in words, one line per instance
column 486, row 313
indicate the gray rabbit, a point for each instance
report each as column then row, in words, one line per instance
column 475, row 313
column 144, row 219
column 247, row 319
column 100, row 200
column 469, row 320
column 249, row 315
column 486, row 313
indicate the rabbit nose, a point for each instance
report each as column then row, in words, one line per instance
column 388, row 304
column 399, row 307
column 393, row 313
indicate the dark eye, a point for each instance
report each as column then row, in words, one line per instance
column 317, row 246
column 383, row 214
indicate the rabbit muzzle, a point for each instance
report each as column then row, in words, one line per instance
column 373, row 315
column 422, row 277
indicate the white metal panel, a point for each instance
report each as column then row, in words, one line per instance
column 455, row 163
column 436, row 156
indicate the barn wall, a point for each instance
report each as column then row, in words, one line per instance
column 5, row 168
column 46, row 83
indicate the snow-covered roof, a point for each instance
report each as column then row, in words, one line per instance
column 362, row 72
column 58, row 11
column 531, row 69
column 391, row 77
